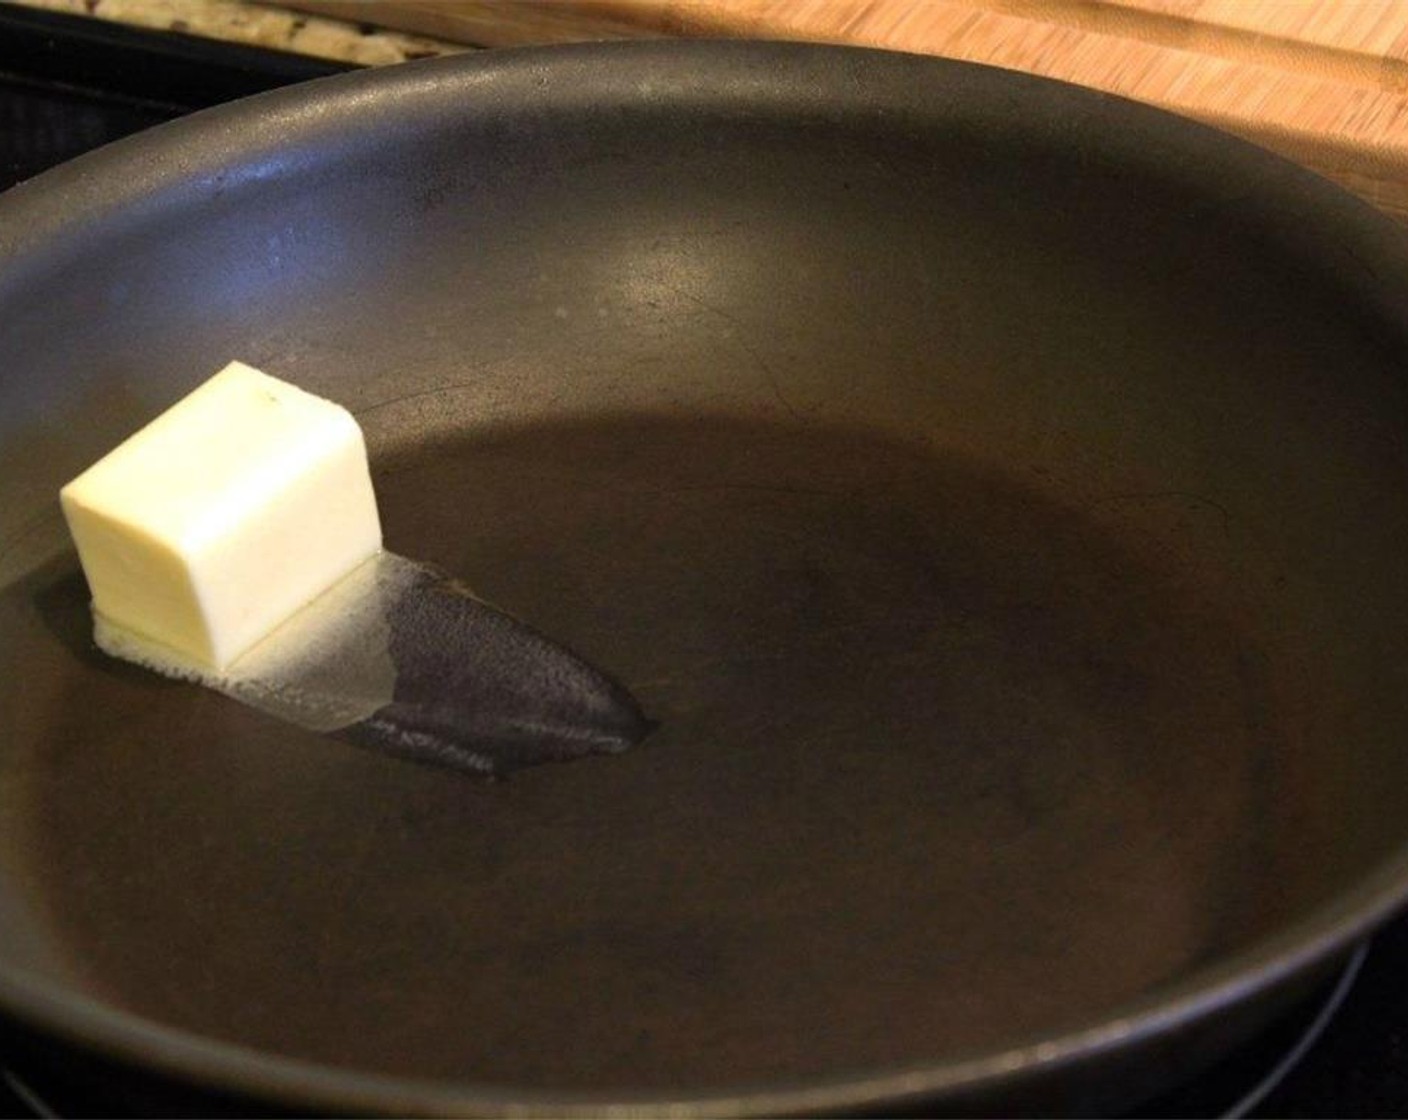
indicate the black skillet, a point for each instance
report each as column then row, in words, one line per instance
column 995, row 490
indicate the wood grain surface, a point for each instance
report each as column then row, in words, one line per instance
column 1324, row 82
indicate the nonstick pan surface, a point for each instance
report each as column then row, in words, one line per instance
column 995, row 491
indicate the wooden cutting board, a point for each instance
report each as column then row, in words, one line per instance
column 1324, row 82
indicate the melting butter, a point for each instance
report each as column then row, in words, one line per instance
column 235, row 541
column 399, row 657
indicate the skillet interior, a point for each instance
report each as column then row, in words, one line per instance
column 994, row 490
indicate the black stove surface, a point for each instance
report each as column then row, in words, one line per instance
column 68, row 85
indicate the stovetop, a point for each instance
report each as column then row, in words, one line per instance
column 68, row 85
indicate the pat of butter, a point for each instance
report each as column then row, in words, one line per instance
column 222, row 517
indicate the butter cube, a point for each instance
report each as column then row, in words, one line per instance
column 227, row 513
